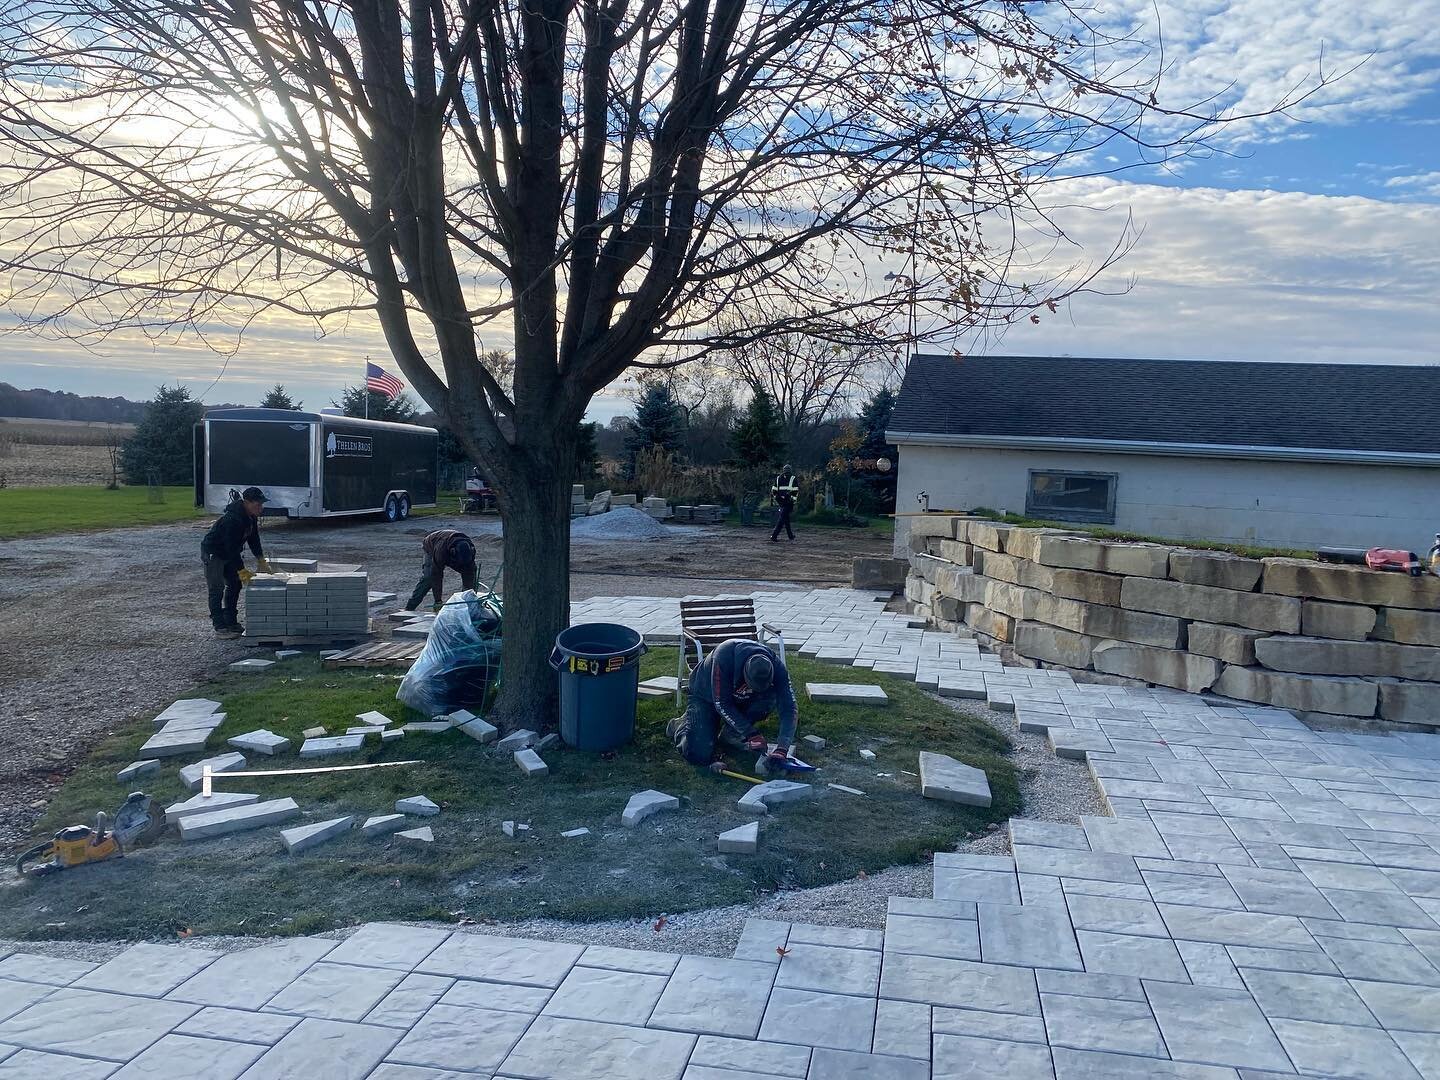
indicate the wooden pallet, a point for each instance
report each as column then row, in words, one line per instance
column 378, row 654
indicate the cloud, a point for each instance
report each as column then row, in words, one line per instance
column 1427, row 183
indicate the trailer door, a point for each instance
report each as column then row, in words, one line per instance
column 198, row 464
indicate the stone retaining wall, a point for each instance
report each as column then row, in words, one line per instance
column 1313, row 637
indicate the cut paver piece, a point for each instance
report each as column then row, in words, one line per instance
column 252, row 665
column 815, row 741
column 313, row 733
column 480, row 731
column 422, row 835
column 516, row 740
column 391, row 734
column 382, row 824
column 373, row 718
column 573, row 833
column 260, row 741
column 137, row 769
column 432, row 727
column 165, row 744
column 416, row 804
column 199, row 804
column 867, row 755
column 238, row 819
column 458, row 718
column 847, row 694
column 330, row 747
column 666, row 683
column 847, row 790
column 744, row 840
column 530, row 763
column 288, row 654
column 363, row 731
column 303, row 837
column 944, row 778
column 645, row 803
column 759, row 799
column 192, row 776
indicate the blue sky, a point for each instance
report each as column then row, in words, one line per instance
column 1310, row 237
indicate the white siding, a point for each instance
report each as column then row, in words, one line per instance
column 1276, row 503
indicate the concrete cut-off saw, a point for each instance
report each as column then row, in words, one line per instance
column 136, row 822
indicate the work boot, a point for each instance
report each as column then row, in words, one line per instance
column 236, row 628
column 228, row 631
column 672, row 729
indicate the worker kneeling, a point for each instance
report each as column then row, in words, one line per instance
column 732, row 691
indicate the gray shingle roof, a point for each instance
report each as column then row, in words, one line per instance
column 1344, row 407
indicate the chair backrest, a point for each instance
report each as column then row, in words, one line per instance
column 712, row 621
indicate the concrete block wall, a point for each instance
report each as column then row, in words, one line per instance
column 279, row 606
column 1313, row 637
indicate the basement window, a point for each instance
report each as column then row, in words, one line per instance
column 1071, row 496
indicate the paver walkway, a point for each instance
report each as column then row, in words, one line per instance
column 1265, row 902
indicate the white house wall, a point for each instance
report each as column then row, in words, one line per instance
column 1276, row 503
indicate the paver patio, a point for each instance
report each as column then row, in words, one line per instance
column 1265, row 902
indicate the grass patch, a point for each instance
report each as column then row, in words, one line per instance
column 1250, row 551
column 37, row 511
column 245, row 884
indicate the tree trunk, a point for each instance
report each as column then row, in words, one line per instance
column 535, row 509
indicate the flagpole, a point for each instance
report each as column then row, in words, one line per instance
column 365, row 385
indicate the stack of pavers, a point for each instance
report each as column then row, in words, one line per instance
column 707, row 514
column 579, row 504
column 657, row 508
column 621, row 500
column 183, row 728
column 307, row 607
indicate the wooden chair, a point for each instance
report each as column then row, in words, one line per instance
column 704, row 624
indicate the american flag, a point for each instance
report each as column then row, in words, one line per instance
column 382, row 382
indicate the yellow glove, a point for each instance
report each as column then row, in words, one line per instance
column 264, row 565
column 245, row 576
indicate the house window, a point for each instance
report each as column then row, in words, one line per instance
column 1071, row 496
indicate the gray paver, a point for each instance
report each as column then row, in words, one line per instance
column 1099, row 1065
column 1296, row 996
column 902, row 1028
column 849, row 1065
column 38, row 1065
column 1131, row 955
column 409, row 1001
column 839, row 1021
column 237, row 819
column 512, row 960
column 381, row 824
column 1124, row 837
column 503, row 997
column 1379, row 961
column 958, row 939
column 304, row 837
column 238, row 1025
column 959, row 1057
column 640, row 960
column 452, row 1037
column 830, row 969
column 248, row 979
column 90, row 1023
column 199, row 804
column 1381, row 908
column 614, row 997
column 1353, row 1052
column 388, row 945
column 741, row 840
column 952, row 883
column 147, row 970
column 847, row 693
column 1113, row 915
column 328, row 1048
column 15, row 996
column 644, row 804
column 1396, row 1005
column 1092, row 1023
column 332, row 746
column 985, row 1025
column 960, row 984
column 260, row 741
column 335, row 991
column 1039, row 936
column 944, row 778
column 761, row 939
column 1100, row 865
column 186, row 1055
column 1215, row 1027
column 844, row 937
column 775, row 1059
column 712, row 996
column 1235, row 927
column 50, row 970
column 558, row 1049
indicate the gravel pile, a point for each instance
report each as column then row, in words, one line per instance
column 621, row 523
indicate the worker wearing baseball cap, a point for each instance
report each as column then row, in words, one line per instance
column 221, row 552
column 733, row 690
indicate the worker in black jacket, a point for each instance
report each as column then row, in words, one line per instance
column 732, row 692
column 445, row 547
column 784, row 492
column 221, row 551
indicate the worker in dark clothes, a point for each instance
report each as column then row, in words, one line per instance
column 784, row 492
column 732, row 691
column 445, row 547
column 221, row 551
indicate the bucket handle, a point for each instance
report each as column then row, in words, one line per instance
column 555, row 658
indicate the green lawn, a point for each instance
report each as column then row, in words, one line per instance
column 40, row 510
column 245, row 884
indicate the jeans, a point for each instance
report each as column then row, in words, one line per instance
column 783, row 522
column 468, row 580
column 222, row 583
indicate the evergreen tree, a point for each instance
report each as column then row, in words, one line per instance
column 758, row 440
column 587, row 454
column 163, row 443
column 400, row 410
column 277, row 398
column 658, row 421
column 874, row 419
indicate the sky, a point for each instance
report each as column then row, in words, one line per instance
column 1310, row 236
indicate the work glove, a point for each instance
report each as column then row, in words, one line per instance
column 755, row 742
column 717, row 767
column 263, row 565
column 245, row 576
column 778, row 761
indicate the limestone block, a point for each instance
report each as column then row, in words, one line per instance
column 530, row 763
column 1039, row 641
column 1024, row 543
column 942, row 525
column 1084, row 585
column 963, row 584
column 1350, row 584
column 948, row 609
column 1097, row 620
column 1323, row 618
column 744, row 840
column 1008, row 568
column 932, row 546
column 1229, row 643
column 1140, row 560
column 237, row 819
column 303, row 837
column 759, row 799
column 644, row 804
column 1305, row 693
column 1410, row 702
column 959, row 552
column 1326, row 656
column 416, row 804
column 1407, row 626
column 1014, row 600
column 991, row 623
column 989, row 535
column 1217, row 568
column 1164, row 667
column 1204, row 603
column 927, row 566
column 877, row 574
column 948, row 780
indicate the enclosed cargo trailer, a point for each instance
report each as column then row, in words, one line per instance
column 314, row 464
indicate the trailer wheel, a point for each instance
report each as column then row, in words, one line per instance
column 404, row 507
column 392, row 509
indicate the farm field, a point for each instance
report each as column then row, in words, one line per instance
column 56, row 453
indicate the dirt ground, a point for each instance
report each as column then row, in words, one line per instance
column 98, row 628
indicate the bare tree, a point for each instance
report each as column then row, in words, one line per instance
column 602, row 178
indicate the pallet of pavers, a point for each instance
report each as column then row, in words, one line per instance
column 307, row 609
